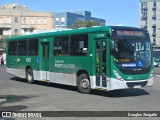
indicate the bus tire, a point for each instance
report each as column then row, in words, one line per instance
column 29, row 76
column 83, row 84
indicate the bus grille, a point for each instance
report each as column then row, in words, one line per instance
column 132, row 84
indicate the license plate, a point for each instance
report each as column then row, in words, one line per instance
column 137, row 86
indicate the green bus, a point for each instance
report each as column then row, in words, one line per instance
column 156, row 55
column 104, row 58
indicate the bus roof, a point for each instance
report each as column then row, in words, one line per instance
column 71, row 32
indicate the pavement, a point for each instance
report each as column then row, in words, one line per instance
column 17, row 95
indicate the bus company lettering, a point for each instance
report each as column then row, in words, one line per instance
column 18, row 59
column 61, row 64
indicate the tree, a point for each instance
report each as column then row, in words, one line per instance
column 79, row 24
column 3, row 41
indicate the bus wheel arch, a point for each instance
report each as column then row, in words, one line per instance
column 29, row 75
column 83, row 82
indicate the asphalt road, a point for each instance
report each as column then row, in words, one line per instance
column 17, row 95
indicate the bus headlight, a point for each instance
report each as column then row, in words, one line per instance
column 151, row 75
column 117, row 75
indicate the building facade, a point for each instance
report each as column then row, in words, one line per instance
column 150, row 18
column 66, row 19
column 19, row 20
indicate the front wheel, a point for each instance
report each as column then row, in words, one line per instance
column 29, row 76
column 83, row 84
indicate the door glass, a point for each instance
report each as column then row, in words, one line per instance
column 97, row 63
column 104, row 63
column 101, row 63
column 45, row 51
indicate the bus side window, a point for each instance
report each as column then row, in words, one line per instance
column 12, row 48
column 61, row 46
column 33, row 47
column 22, row 47
column 79, row 45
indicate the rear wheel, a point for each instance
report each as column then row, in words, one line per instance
column 29, row 76
column 83, row 84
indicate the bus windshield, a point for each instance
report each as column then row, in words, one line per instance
column 132, row 53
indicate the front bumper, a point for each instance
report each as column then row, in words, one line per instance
column 115, row 84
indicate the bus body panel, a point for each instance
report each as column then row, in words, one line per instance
column 64, row 69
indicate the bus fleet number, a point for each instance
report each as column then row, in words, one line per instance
column 28, row 59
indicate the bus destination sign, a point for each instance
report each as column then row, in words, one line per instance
column 130, row 33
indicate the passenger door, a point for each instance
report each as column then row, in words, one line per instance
column 45, row 61
column 101, row 53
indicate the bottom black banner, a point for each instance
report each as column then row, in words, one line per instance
column 30, row 114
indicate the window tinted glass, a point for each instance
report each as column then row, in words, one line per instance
column 12, row 48
column 79, row 45
column 22, row 47
column 61, row 46
column 33, row 47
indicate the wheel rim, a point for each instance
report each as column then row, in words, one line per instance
column 85, row 84
column 29, row 76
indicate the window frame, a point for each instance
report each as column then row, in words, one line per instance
column 16, row 19
column 44, row 21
